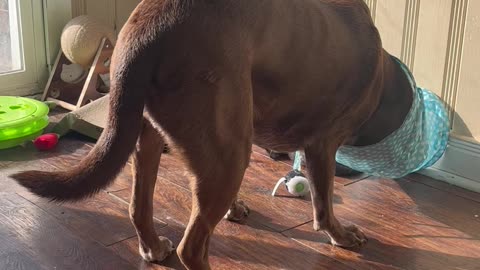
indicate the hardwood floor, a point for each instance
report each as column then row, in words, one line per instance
column 412, row 223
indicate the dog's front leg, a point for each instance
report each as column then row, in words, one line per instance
column 321, row 168
column 145, row 166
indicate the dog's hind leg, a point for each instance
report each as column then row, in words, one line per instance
column 215, row 132
column 146, row 160
column 213, row 193
column 320, row 160
column 238, row 211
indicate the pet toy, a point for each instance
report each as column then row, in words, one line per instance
column 46, row 142
column 295, row 181
column 21, row 120
column 81, row 38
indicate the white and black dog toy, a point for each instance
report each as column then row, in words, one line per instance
column 295, row 182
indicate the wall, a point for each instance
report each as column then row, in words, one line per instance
column 439, row 40
column 57, row 14
column 111, row 12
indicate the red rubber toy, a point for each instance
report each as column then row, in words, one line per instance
column 46, row 142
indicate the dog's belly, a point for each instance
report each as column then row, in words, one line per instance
column 275, row 141
column 284, row 124
column 312, row 80
column 287, row 117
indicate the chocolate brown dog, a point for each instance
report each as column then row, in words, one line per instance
column 215, row 76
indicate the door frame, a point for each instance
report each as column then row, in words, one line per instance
column 35, row 71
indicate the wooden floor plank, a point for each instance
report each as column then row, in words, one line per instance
column 239, row 247
column 8, row 168
column 35, row 240
column 409, row 225
column 279, row 213
column 458, row 191
column 413, row 223
column 289, row 163
column 104, row 218
column 172, row 204
column 234, row 246
column 172, row 166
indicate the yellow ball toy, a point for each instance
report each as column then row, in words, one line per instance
column 81, row 39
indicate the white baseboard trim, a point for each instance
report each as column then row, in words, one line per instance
column 460, row 165
column 452, row 179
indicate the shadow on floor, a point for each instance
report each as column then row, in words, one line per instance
column 382, row 254
column 67, row 145
column 443, row 207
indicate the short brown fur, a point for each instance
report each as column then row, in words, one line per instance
column 216, row 76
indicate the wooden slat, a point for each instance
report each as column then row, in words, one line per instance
column 409, row 226
column 32, row 239
column 278, row 213
column 103, row 219
column 458, row 191
column 340, row 180
column 234, row 246
column 412, row 223
column 240, row 247
column 171, row 203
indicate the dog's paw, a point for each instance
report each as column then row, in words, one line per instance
column 238, row 212
column 350, row 237
column 159, row 253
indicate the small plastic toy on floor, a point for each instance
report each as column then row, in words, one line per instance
column 21, row 120
column 46, row 142
column 295, row 181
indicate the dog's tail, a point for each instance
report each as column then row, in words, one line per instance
column 100, row 167
column 131, row 74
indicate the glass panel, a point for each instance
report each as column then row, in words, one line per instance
column 11, row 57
